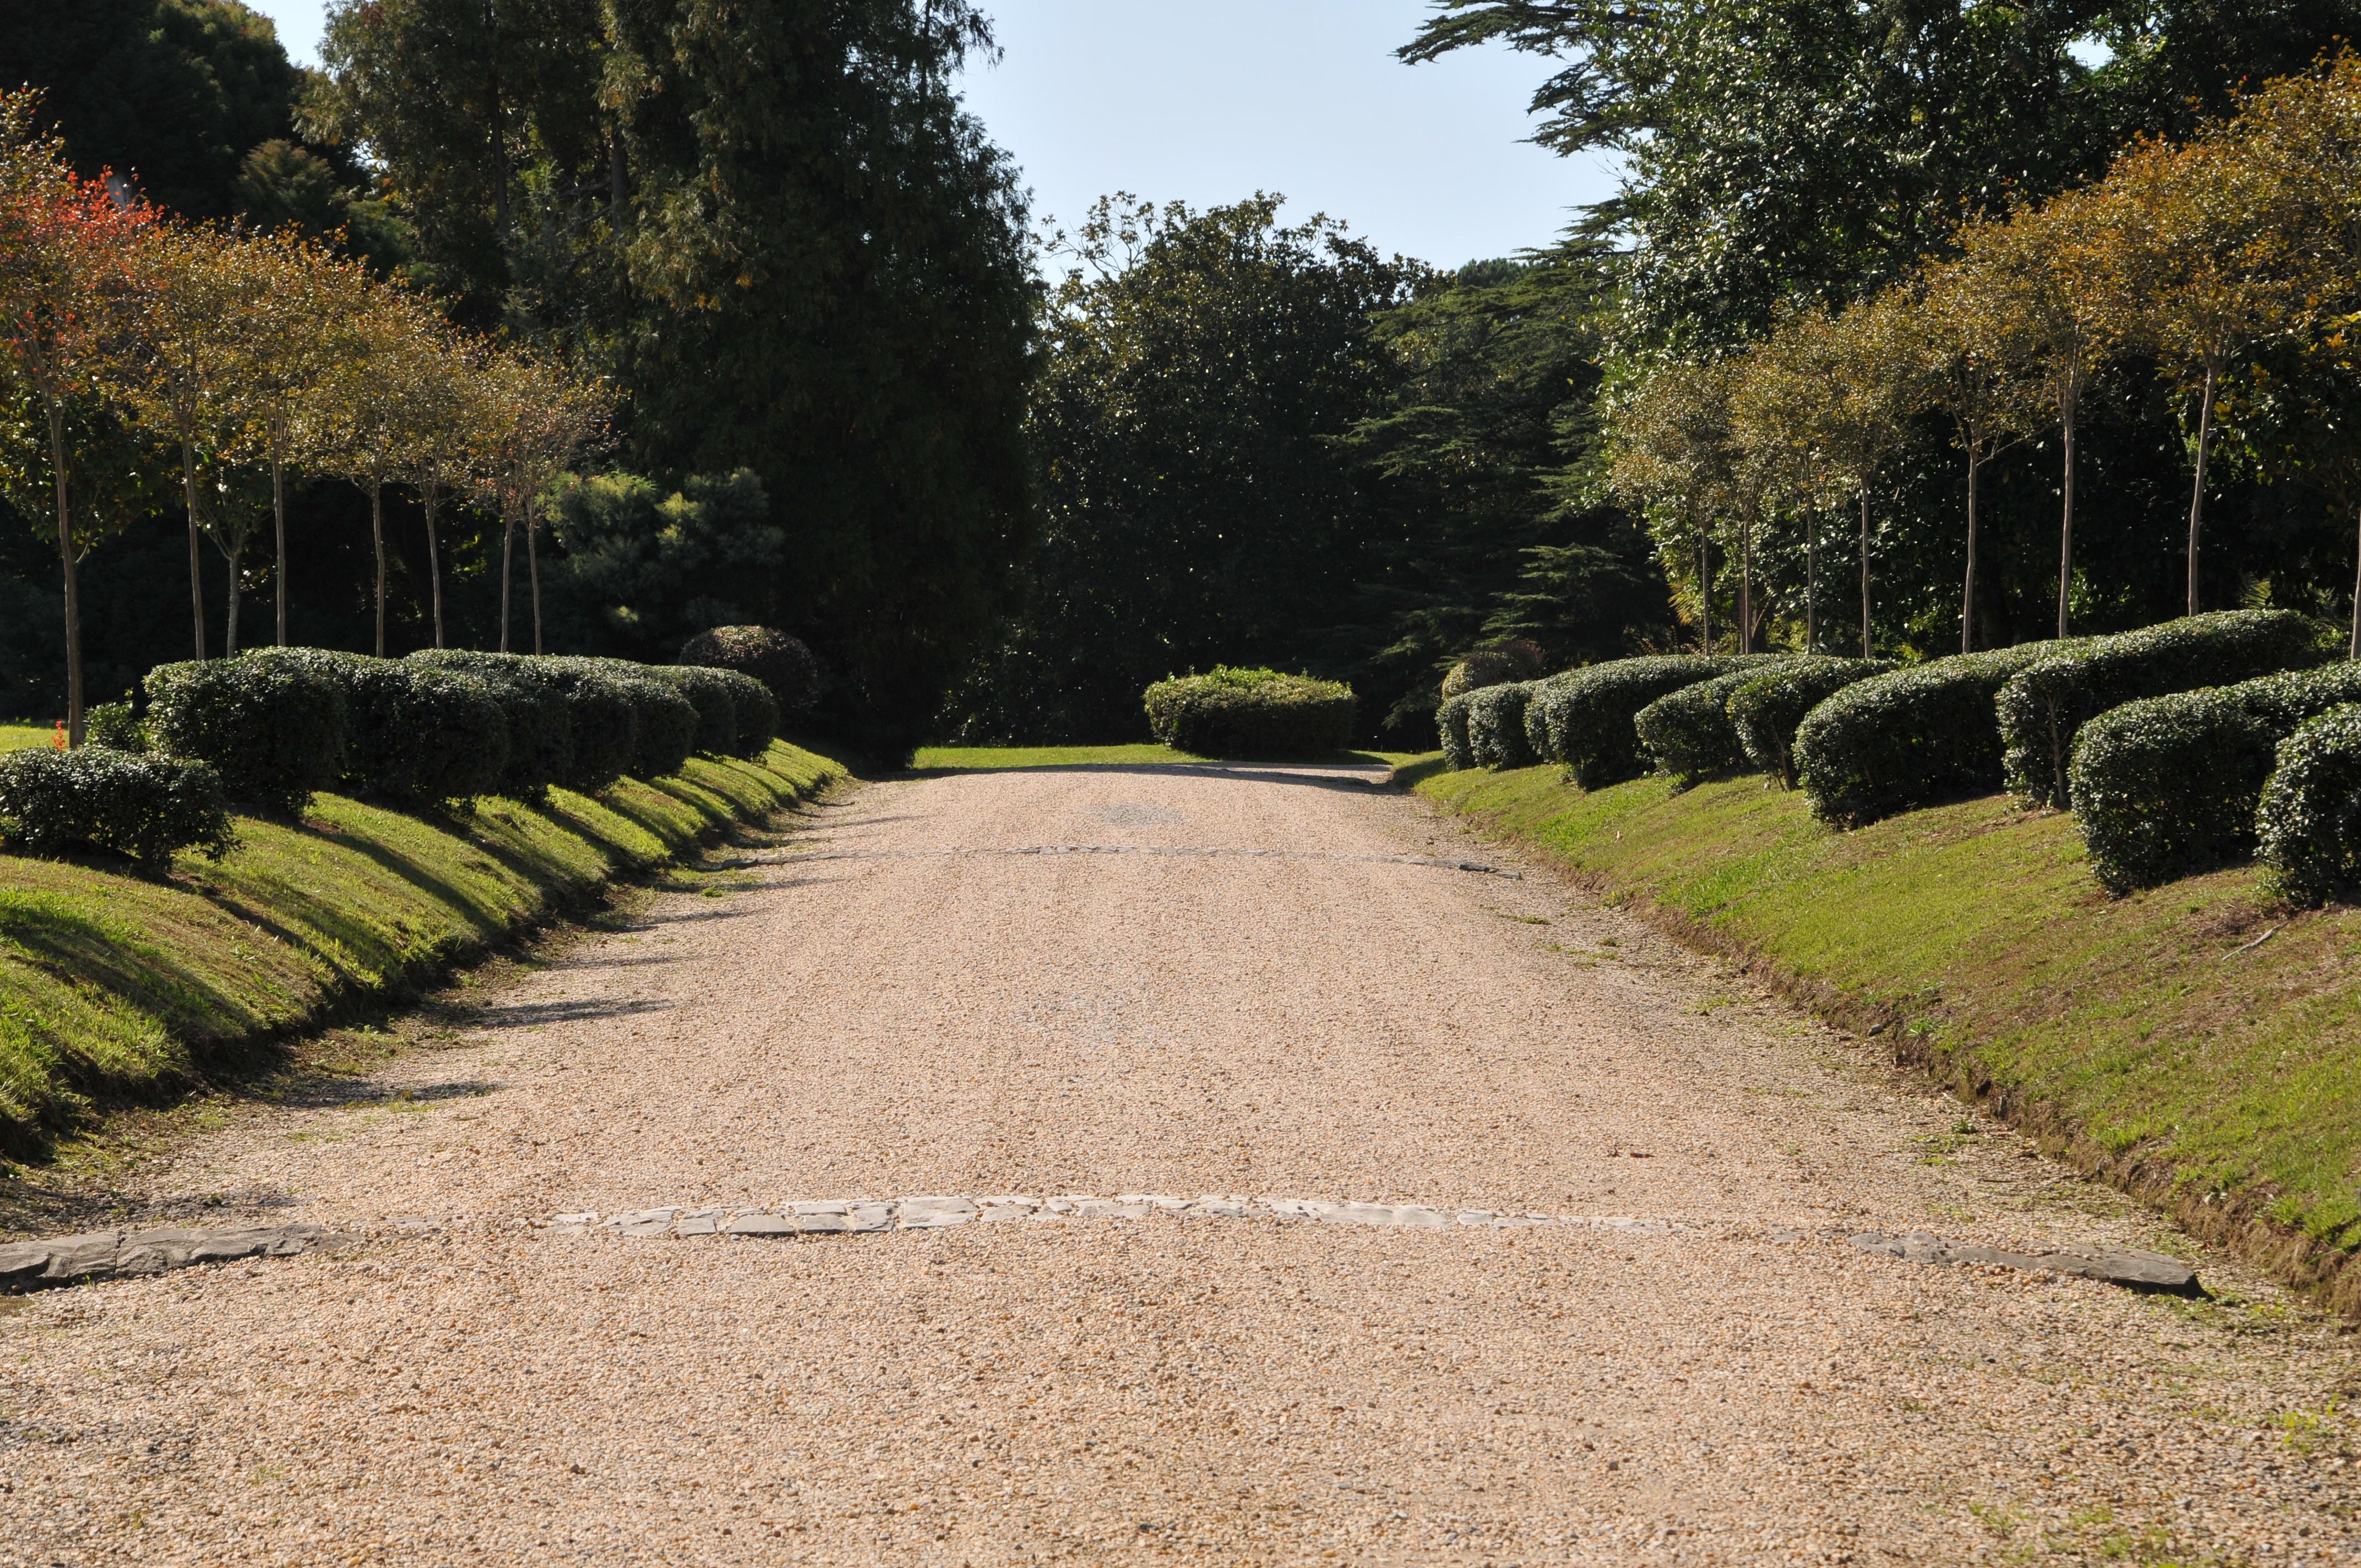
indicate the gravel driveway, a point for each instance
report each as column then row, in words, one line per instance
column 1016, row 984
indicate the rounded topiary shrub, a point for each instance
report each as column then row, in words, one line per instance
column 2308, row 820
column 708, row 691
column 534, row 704
column 780, row 662
column 1584, row 717
column 1765, row 707
column 757, row 713
column 271, row 725
column 1688, row 732
column 601, row 717
column 1496, row 726
column 1513, row 661
column 1451, row 724
column 115, row 725
column 1251, row 713
column 124, row 803
column 421, row 735
column 665, row 723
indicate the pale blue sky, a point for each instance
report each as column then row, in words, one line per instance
column 1207, row 101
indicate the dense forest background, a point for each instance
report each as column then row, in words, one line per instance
column 1001, row 479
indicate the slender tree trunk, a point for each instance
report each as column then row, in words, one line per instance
column 533, row 567
column 434, row 558
column 1812, row 582
column 376, row 537
column 74, row 589
column 196, row 562
column 279, row 521
column 1704, row 593
column 2197, row 491
column 229, row 627
column 2353, row 650
column 1865, row 571
column 1746, row 581
column 2065, row 530
column 1968, row 589
column 508, row 555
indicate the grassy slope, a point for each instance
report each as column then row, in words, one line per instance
column 17, row 736
column 114, row 985
column 976, row 759
column 2147, row 1035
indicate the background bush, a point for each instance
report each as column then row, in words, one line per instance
column 1917, row 736
column 1688, row 732
column 2308, row 820
column 1496, row 726
column 117, row 725
column 2043, row 705
column 1584, row 716
column 1251, row 713
column 1514, row 661
column 1767, row 705
column 533, row 703
column 780, row 662
column 272, row 727
column 2170, row 785
column 757, row 711
column 96, row 797
column 710, row 692
column 1451, row 725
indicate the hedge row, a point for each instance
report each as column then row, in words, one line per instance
column 1451, row 723
column 96, row 797
column 1582, row 719
column 1496, row 726
column 2043, row 707
column 2171, row 785
column 1766, row 708
column 2308, row 820
column 1689, row 732
column 1912, row 738
column 1251, row 713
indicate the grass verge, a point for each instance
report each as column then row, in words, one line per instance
column 990, row 758
column 121, row 988
column 2196, row 1044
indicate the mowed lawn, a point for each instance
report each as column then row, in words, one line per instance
column 2199, row 1028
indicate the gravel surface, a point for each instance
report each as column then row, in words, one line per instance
column 1341, row 1014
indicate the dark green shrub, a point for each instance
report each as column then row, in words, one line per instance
column 710, row 692
column 1920, row 734
column 1496, row 726
column 2045, row 704
column 757, row 711
column 422, row 734
column 1585, row 715
column 1688, row 732
column 1516, row 660
column 272, row 724
column 2170, row 785
column 1765, row 708
column 600, row 717
column 665, row 723
column 533, row 703
column 1451, row 724
column 114, row 724
column 2308, row 820
column 1251, row 713
column 780, row 662
column 96, row 797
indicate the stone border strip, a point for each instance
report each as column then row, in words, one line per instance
column 1432, row 861
column 115, row 1255
column 2147, row 1271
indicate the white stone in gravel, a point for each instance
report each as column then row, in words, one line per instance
column 989, row 1210
column 933, row 1213
column 701, row 1222
column 646, row 1222
column 760, row 1222
column 822, row 1217
column 1084, row 1207
column 869, row 1215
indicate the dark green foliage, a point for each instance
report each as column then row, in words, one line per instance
column 423, row 735
column 538, row 716
column 2169, row 785
column 272, row 727
column 1251, row 713
column 600, row 717
column 665, row 723
column 757, row 713
column 1688, row 732
column 1451, row 724
column 1765, row 708
column 96, row 797
column 1585, row 715
column 1496, row 726
column 713, row 695
column 643, row 570
column 2044, row 705
column 1513, row 661
column 1913, row 738
column 115, row 725
column 2308, row 820
column 780, row 662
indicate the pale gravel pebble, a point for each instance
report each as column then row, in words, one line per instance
column 1069, row 1390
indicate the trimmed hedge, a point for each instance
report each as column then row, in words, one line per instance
column 535, row 705
column 115, row 724
column 780, row 662
column 602, row 717
column 708, row 691
column 757, row 713
column 1688, row 732
column 665, row 723
column 1582, row 718
column 421, row 735
column 272, row 727
column 1250, row 713
column 1920, row 734
column 1496, row 726
column 2170, row 785
column 96, row 797
column 2308, row 820
column 1451, row 724
column 1766, row 706
column 2044, row 706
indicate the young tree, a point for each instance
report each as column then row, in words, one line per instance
column 1781, row 412
column 65, row 278
column 368, row 403
column 446, row 421
column 1672, row 452
column 1873, row 388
